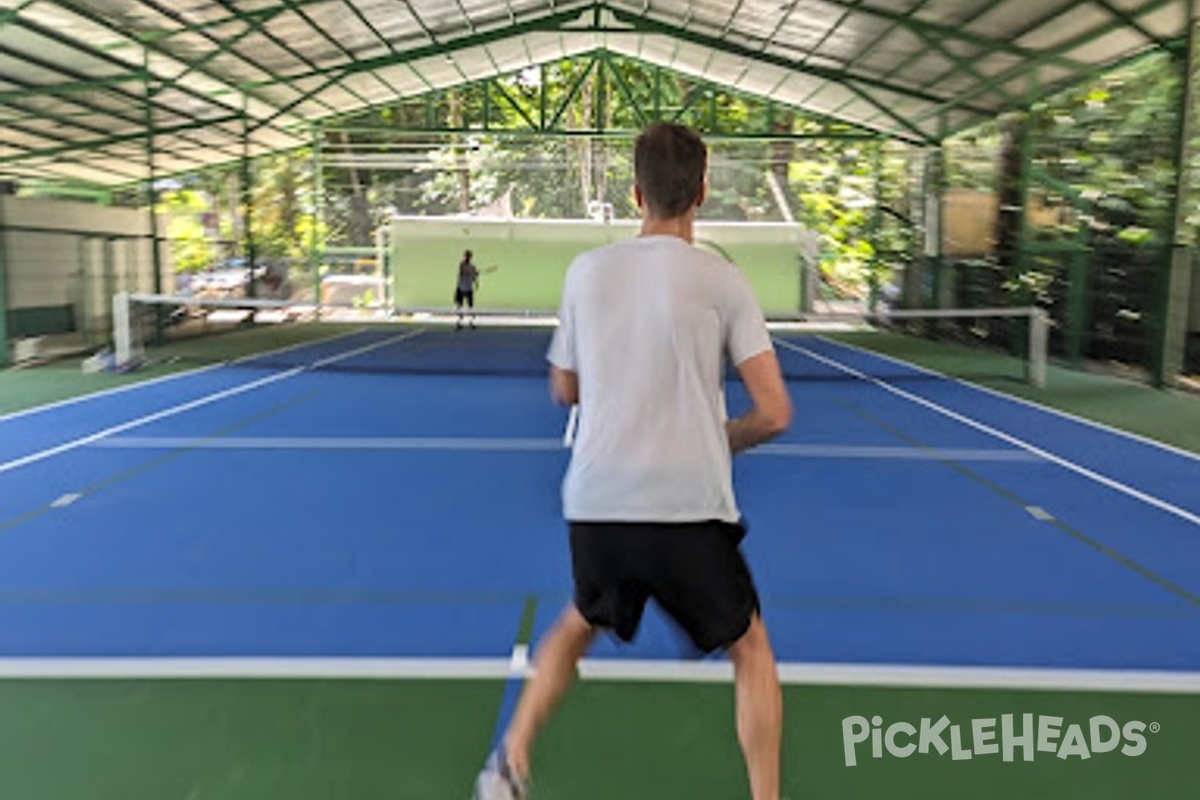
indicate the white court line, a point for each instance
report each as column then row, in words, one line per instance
column 1013, row 440
column 530, row 444
column 1179, row 451
column 519, row 664
column 70, row 401
column 85, row 440
column 798, row 674
column 621, row 670
column 903, row 453
column 201, row 401
column 217, row 667
column 328, row 443
column 162, row 379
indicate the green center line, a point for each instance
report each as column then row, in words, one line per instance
column 518, row 663
column 158, row 461
column 525, row 628
column 1078, row 535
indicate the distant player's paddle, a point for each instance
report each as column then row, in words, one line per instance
column 572, row 422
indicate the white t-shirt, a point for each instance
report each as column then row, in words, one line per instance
column 646, row 324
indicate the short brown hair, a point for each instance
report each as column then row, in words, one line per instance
column 669, row 162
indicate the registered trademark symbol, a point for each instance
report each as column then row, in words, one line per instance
column 1155, row 727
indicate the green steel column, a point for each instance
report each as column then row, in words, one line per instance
column 914, row 277
column 876, row 221
column 1174, row 284
column 248, row 205
column 1076, row 306
column 487, row 104
column 5, row 359
column 932, row 256
column 152, row 199
column 1080, row 275
column 1021, row 261
column 110, row 274
column 657, row 93
column 598, row 107
column 318, row 193
column 943, row 279
column 542, row 97
column 1022, row 255
column 82, row 296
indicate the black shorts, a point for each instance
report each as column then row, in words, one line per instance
column 460, row 295
column 694, row 571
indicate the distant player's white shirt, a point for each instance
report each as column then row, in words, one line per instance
column 646, row 324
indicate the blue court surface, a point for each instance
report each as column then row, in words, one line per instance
column 309, row 515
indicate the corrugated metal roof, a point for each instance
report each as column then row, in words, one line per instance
column 83, row 81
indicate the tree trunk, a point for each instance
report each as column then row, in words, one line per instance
column 358, row 228
column 462, row 170
column 289, row 208
column 1013, row 130
column 586, row 105
column 783, row 152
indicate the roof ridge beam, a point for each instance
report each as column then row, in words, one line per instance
column 645, row 24
column 446, row 48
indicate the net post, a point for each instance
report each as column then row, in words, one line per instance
column 1039, row 334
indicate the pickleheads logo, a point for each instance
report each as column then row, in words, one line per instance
column 1028, row 735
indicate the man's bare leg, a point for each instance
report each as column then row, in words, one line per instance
column 759, row 709
column 555, row 666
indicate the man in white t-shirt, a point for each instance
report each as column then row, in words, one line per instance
column 645, row 328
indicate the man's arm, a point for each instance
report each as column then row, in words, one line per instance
column 771, row 406
column 564, row 386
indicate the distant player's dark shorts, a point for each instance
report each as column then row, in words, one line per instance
column 461, row 295
column 694, row 571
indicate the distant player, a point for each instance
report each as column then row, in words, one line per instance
column 648, row 496
column 464, row 293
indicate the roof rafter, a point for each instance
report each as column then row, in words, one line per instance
column 142, row 40
column 947, row 33
column 915, row 70
column 1033, row 66
column 140, row 76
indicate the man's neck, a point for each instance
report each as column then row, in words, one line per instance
column 681, row 227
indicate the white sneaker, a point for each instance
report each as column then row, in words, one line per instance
column 498, row 780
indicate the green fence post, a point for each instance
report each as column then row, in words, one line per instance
column 1076, row 321
column 1173, row 284
column 318, row 190
column 152, row 201
column 5, row 359
column 875, row 225
column 248, row 205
